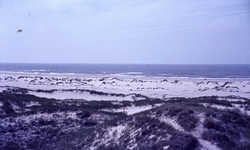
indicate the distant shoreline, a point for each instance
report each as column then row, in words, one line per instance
column 135, row 71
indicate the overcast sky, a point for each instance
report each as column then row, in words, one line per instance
column 125, row 31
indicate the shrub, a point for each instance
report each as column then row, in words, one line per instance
column 182, row 141
column 209, row 124
column 7, row 107
column 187, row 120
column 90, row 123
column 11, row 145
column 83, row 114
column 221, row 139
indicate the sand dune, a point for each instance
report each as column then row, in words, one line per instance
column 121, row 88
column 159, row 113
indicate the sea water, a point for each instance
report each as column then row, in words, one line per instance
column 138, row 70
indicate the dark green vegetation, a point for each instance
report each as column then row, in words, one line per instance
column 30, row 122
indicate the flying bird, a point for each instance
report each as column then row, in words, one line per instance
column 19, row 31
column 31, row 15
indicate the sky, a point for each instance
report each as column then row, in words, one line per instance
column 125, row 31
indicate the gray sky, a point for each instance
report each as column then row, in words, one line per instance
column 125, row 31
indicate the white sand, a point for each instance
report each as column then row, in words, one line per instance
column 133, row 109
column 151, row 87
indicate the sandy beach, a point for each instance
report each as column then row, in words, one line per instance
column 122, row 88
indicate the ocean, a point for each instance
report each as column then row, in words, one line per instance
column 135, row 70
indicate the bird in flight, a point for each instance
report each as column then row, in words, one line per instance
column 19, row 31
column 31, row 15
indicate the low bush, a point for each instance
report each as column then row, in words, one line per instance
column 187, row 120
column 182, row 141
column 7, row 107
column 222, row 140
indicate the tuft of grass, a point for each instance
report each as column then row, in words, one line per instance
column 7, row 108
column 182, row 141
column 187, row 120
